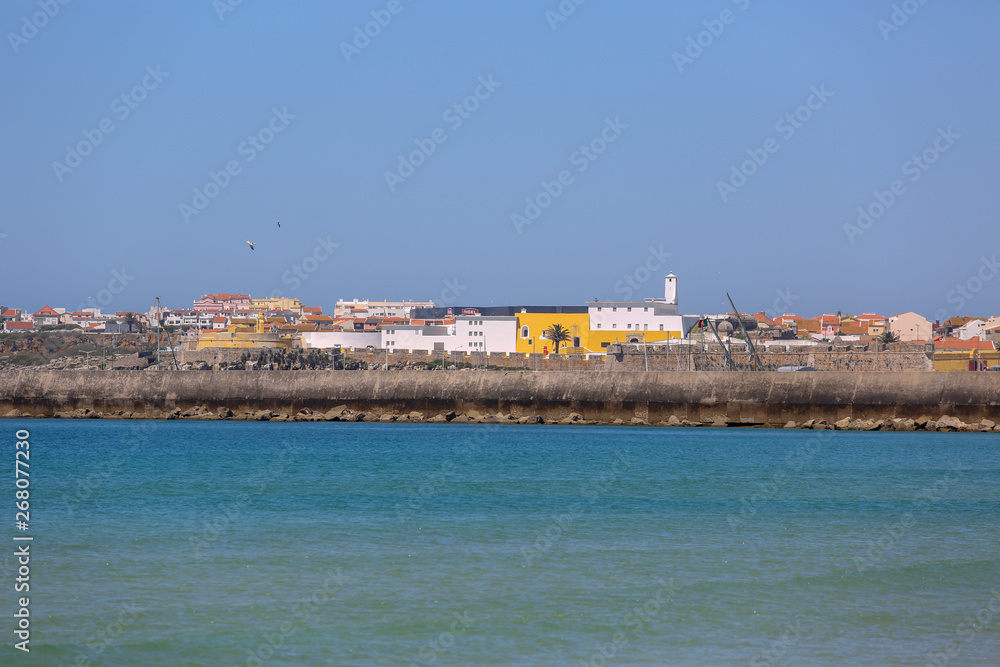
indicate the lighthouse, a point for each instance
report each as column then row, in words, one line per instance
column 670, row 289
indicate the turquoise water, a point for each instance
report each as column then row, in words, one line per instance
column 233, row 543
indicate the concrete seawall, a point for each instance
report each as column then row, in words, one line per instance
column 694, row 398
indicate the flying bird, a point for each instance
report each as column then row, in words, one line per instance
column 279, row 225
column 250, row 243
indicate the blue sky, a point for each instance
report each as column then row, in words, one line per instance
column 664, row 122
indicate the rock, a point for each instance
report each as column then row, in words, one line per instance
column 360, row 417
column 930, row 426
column 305, row 411
column 450, row 415
column 174, row 414
column 921, row 421
column 842, row 424
column 950, row 423
column 13, row 413
column 688, row 422
column 530, row 419
column 388, row 417
column 438, row 419
column 988, row 423
column 334, row 414
column 674, row 421
column 619, row 422
column 461, row 419
column 416, row 416
column 225, row 413
column 472, row 414
column 263, row 416
column 791, row 424
column 575, row 416
column 638, row 422
column 904, row 425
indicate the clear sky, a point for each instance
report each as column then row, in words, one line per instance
column 317, row 124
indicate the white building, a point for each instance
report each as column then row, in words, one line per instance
column 970, row 329
column 366, row 308
column 469, row 333
column 357, row 340
column 652, row 314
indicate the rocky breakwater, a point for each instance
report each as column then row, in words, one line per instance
column 828, row 400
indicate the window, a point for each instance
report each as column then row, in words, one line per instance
column 614, row 309
column 576, row 341
column 598, row 309
column 645, row 327
column 598, row 325
column 524, row 332
column 661, row 327
column 629, row 325
column 603, row 345
column 630, row 309
column 614, row 326
column 645, row 310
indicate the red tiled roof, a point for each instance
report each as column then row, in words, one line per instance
column 20, row 325
column 46, row 312
column 956, row 344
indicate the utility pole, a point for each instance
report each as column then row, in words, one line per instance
column 158, row 321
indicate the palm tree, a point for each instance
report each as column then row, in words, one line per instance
column 889, row 336
column 557, row 333
column 131, row 321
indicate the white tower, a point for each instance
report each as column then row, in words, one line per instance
column 670, row 290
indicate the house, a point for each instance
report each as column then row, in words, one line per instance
column 910, row 327
column 991, row 332
column 971, row 329
column 11, row 326
column 46, row 317
column 10, row 315
column 213, row 303
column 365, row 308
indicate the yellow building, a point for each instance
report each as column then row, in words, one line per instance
column 960, row 360
column 531, row 328
column 583, row 339
column 277, row 303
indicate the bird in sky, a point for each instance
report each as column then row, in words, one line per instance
column 279, row 225
column 250, row 243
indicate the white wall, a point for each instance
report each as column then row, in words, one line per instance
column 634, row 316
column 355, row 339
column 476, row 333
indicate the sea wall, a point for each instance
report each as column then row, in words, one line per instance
column 691, row 398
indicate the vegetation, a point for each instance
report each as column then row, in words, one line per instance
column 557, row 333
column 888, row 337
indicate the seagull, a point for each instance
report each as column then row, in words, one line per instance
column 279, row 225
column 250, row 243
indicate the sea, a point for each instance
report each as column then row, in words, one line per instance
column 188, row 543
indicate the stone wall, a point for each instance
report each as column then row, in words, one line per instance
column 826, row 357
column 721, row 398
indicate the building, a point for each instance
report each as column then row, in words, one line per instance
column 46, row 317
column 651, row 320
column 366, row 308
column 213, row 303
column 969, row 330
column 910, row 327
column 277, row 303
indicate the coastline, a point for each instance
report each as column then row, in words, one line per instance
column 906, row 400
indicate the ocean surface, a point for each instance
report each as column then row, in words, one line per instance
column 235, row 543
